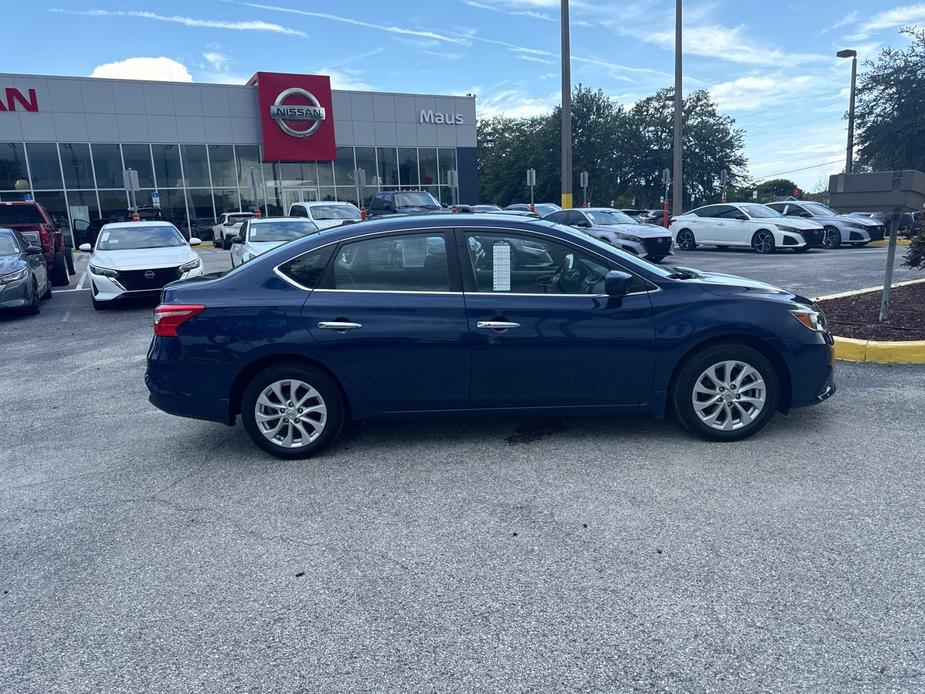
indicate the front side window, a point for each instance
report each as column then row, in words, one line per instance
column 521, row 264
column 127, row 238
column 411, row 263
column 8, row 246
column 262, row 232
column 559, row 217
column 820, row 210
column 608, row 218
column 708, row 211
column 335, row 212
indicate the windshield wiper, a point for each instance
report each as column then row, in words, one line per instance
column 683, row 273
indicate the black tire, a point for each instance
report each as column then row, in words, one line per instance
column 831, row 238
column 226, row 243
column 763, row 242
column 58, row 271
column 34, row 307
column 69, row 260
column 694, row 369
column 47, row 295
column 656, row 258
column 685, row 240
column 330, row 397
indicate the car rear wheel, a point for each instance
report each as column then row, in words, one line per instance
column 69, row 260
column 58, row 271
column 292, row 411
column 726, row 392
column 831, row 237
column 686, row 240
column 763, row 241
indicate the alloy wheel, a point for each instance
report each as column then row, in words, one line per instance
column 290, row 413
column 764, row 242
column 686, row 240
column 729, row 395
column 831, row 237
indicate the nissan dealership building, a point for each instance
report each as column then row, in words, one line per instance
column 203, row 149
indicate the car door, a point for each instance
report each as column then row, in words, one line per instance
column 542, row 337
column 732, row 226
column 703, row 223
column 390, row 315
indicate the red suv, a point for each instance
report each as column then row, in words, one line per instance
column 33, row 222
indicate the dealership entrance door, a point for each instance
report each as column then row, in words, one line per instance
column 291, row 195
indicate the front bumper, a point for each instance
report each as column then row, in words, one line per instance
column 15, row 294
column 109, row 288
column 813, row 237
column 812, row 372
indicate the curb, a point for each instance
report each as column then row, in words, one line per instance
column 884, row 243
column 876, row 351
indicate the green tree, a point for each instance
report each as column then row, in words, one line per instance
column 775, row 188
column 890, row 108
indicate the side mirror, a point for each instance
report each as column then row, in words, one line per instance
column 195, row 241
column 617, row 283
column 584, row 223
column 85, row 247
column 742, row 217
column 237, row 239
column 34, row 250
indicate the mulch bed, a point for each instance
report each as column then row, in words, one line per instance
column 858, row 316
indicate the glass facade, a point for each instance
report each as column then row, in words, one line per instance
column 77, row 181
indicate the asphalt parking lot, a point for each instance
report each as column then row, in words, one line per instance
column 147, row 552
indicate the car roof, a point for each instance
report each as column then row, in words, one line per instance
column 17, row 202
column 262, row 220
column 143, row 225
column 313, row 203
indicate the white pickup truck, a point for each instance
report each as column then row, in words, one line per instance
column 229, row 224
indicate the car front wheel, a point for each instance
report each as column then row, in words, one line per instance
column 292, row 411
column 58, row 271
column 763, row 241
column 726, row 392
column 831, row 237
column 686, row 240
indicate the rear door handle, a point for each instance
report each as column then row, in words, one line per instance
column 496, row 325
column 339, row 326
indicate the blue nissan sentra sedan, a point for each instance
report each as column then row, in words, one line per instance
column 439, row 315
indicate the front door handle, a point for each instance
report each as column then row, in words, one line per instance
column 339, row 326
column 496, row 325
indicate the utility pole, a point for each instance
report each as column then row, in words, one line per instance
column 566, row 112
column 849, row 162
column 677, row 199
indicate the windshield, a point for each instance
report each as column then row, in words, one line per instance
column 20, row 214
column 416, row 200
column 819, row 209
column 544, row 209
column 629, row 260
column 127, row 238
column 335, row 212
column 609, row 217
column 280, row 231
column 760, row 211
column 7, row 247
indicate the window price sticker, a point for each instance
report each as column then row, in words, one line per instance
column 501, row 270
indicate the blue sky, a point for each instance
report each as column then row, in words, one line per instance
column 770, row 65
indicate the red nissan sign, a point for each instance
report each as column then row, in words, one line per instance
column 296, row 116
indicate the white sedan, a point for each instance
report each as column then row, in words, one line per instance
column 137, row 259
column 326, row 214
column 744, row 224
column 261, row 235
column 227, row 228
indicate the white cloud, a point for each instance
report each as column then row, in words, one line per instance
column 390, row 28
column 164, row 69
column 891, row 19
column 255, row 25
column 534, row 59
column 515, row 103
column 217, row 60
column 733, row 44
column 753, row 92
column 347, row 79
column 849, row 18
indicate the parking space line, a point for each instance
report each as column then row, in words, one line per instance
column 68, row 291
column 80, row 284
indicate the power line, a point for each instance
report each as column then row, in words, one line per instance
column 805, row 168
column 788, row 125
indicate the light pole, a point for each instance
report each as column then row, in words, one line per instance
column 848, row 53
column 566, row 113
column 677, row 198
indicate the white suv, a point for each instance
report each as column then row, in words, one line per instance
column 744, row 224
column 229, row 224
column 326, row 214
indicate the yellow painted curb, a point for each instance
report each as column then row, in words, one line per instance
column 877, row 352
column 883, row 243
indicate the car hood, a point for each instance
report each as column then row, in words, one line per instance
column 10, row 263
column 143, row 258
column 860, row 221
column 794, row 222
column 646, row 231
column 720, row 283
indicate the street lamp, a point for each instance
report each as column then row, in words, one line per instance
column 848, row 53
column 678, row 160
column 566, row 111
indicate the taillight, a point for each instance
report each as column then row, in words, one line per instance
column 46, row 243
column 168, row 317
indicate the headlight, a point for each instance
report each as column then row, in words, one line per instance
column 14, row 276
column 191, row 265
column 856, row 225
column 811, row 318
column 627, row 237
column 103, row 271
column 784, row 227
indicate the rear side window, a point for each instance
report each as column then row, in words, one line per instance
column 298, row 211
column 308, row 269
column 411, row 263
column 20, row 214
